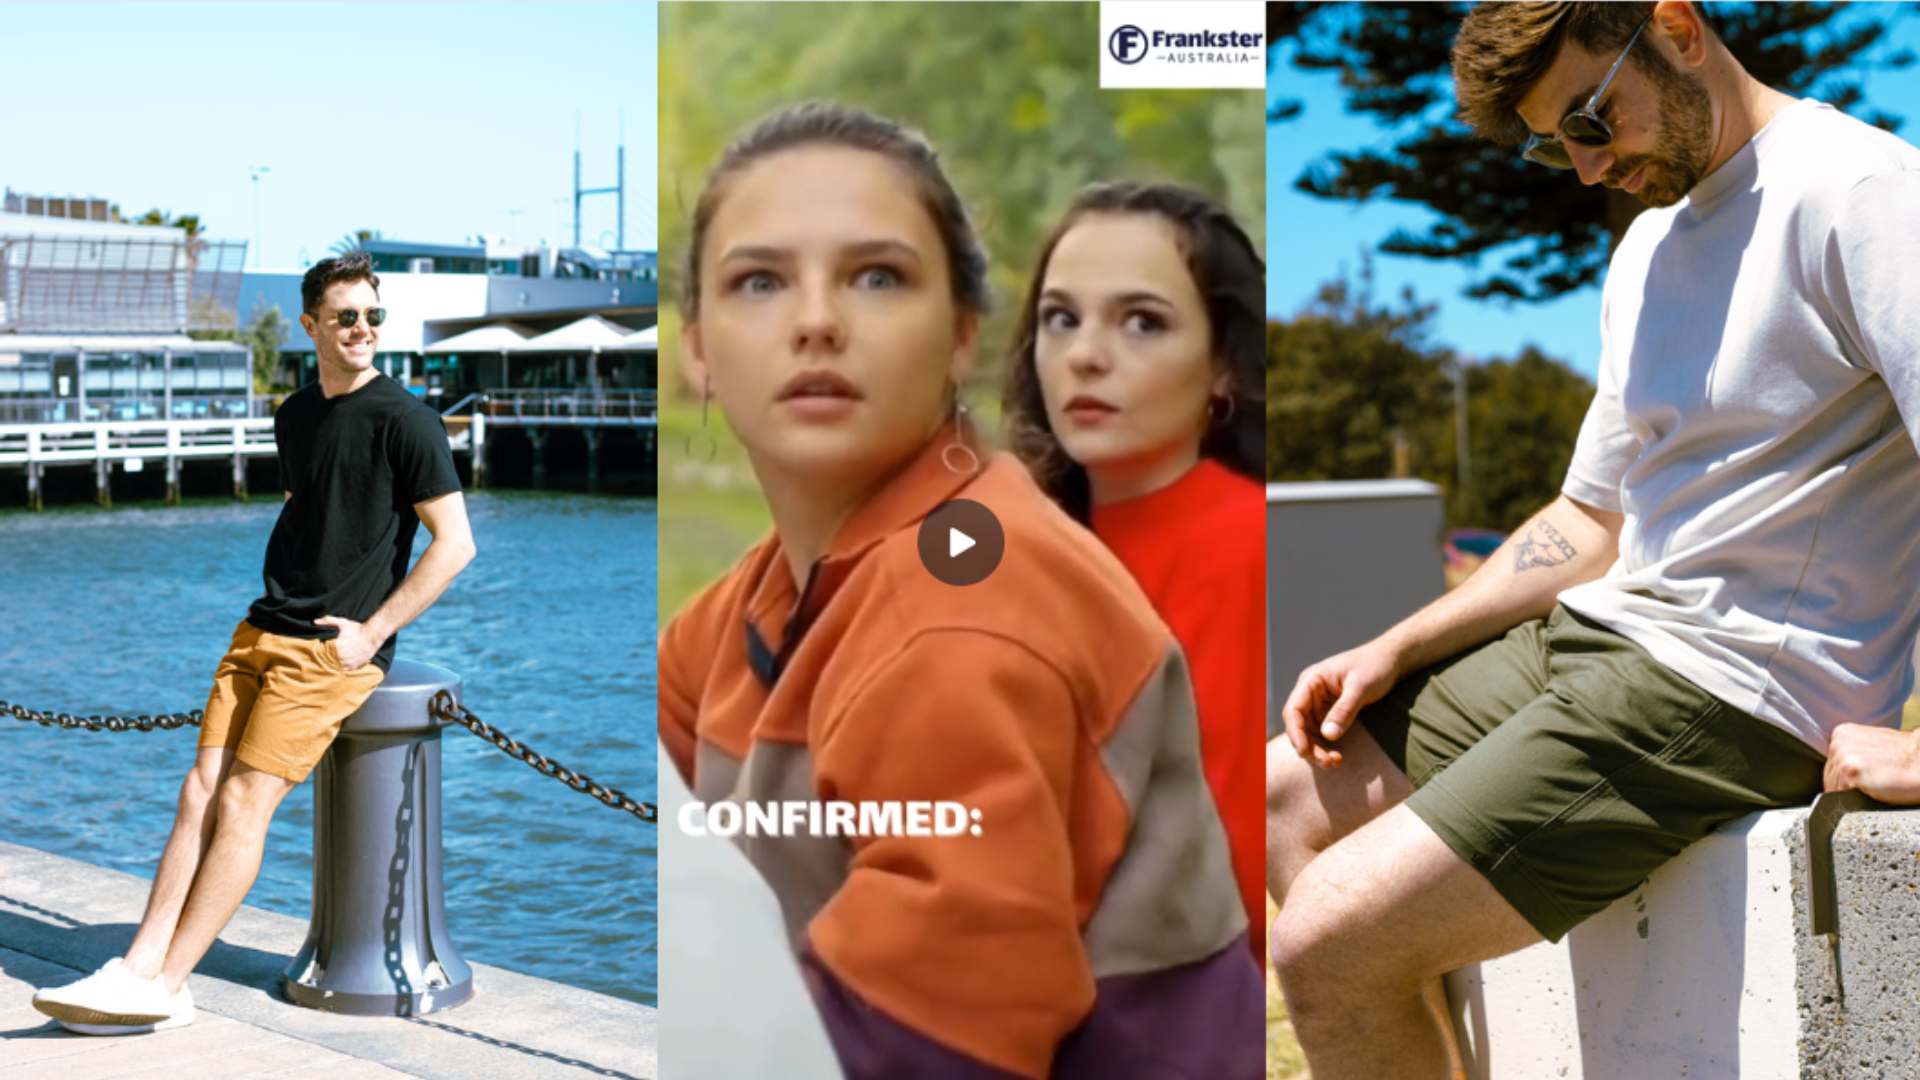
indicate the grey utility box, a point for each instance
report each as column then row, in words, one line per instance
column 1345, row 560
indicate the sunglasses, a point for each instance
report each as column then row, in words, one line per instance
column 348, row 317
column 1583, row 125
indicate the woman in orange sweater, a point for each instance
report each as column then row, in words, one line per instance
column 1087, row 926
column 1136, row 396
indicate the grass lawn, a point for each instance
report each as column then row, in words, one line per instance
column 1284, row 1059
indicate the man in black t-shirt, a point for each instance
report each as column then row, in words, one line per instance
column 364, row 464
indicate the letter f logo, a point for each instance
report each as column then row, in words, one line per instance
column 1127, row 44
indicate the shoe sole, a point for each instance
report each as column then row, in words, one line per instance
column 80, row 1014
column 126, row 1029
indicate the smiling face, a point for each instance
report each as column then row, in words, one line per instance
column 344, row 350
column 1123, row 350
column 1661, row 116
column 827, row 328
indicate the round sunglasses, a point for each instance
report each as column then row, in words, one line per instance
column 1583, row 125
column 348, row 317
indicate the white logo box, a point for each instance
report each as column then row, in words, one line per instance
column 1183, row 44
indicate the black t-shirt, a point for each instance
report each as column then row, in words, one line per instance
column 356, row 465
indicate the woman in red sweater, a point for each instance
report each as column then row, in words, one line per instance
column 1136, row 396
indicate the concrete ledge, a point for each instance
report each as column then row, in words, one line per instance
column 1709, row 969
column 60, row 918
column 1869, row 1024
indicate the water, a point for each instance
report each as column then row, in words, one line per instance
column 552, row 627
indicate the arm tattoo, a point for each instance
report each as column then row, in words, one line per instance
column 1543, row 546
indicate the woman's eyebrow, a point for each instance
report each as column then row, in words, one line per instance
column 756, row 253
column 870, row 248
column 1139, row 296
column 859, row 249
column 1119, row 299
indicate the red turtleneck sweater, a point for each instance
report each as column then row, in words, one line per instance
column 1198, row 549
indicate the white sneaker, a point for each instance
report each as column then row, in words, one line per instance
column 113, row 995
column 181, row 1014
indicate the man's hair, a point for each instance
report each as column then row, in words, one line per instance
column 1504, row 48
column 323, row 275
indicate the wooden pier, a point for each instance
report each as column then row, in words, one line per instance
column 590, row 411
column 131, row 444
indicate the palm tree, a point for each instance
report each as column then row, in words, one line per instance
column 354, row 241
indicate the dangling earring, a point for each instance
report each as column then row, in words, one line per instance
column 959, row 418
column 1220, row 417
column 712, row 444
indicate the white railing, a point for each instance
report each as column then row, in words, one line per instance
column 49, row 410
column 542, row 404
column 121, row 440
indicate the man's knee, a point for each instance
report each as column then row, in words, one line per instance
column 1284, row 774
column 1298, row 824
column 248, row 794
column 1325, row 956
column 202, row 783
column 1305, row 933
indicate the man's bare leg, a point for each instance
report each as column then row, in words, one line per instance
column 1366, row 927
column 245, row 806
column 1310, row 809
column 193, row 825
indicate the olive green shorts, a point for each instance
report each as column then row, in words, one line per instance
column 1566, row 764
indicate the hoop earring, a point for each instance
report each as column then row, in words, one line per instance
column 959, row 417
column 712, row 443
column 1220, row 418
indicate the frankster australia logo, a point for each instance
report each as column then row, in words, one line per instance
column 1127, row 44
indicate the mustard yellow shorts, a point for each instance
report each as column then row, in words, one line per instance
column 278, row 701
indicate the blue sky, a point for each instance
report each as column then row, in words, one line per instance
column 1310, row 240
column 429, row 122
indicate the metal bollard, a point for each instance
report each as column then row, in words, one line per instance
column 378, row 944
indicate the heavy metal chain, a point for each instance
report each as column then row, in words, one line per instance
column 445, row 708
column 166, row 721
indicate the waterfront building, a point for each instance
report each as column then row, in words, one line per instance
column 104, row 320
column 121, row 343
column 110, row 349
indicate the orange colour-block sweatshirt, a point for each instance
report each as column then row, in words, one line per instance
column 1092, row 929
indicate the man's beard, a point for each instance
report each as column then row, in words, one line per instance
column 1685, row 143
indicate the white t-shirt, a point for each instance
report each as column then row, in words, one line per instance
column 1756, row 421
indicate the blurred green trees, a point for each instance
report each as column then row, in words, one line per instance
column 1010, row 95
column 1008, row 92
column 1553, row 235
column 1356, row 390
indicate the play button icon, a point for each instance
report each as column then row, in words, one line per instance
column 961, row 542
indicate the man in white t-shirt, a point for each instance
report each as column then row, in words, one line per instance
column 1724, row 591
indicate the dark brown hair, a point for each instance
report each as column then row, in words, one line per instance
column 323, row 275
column 1231, row 279
column 1504, row 48
column 819, row 123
